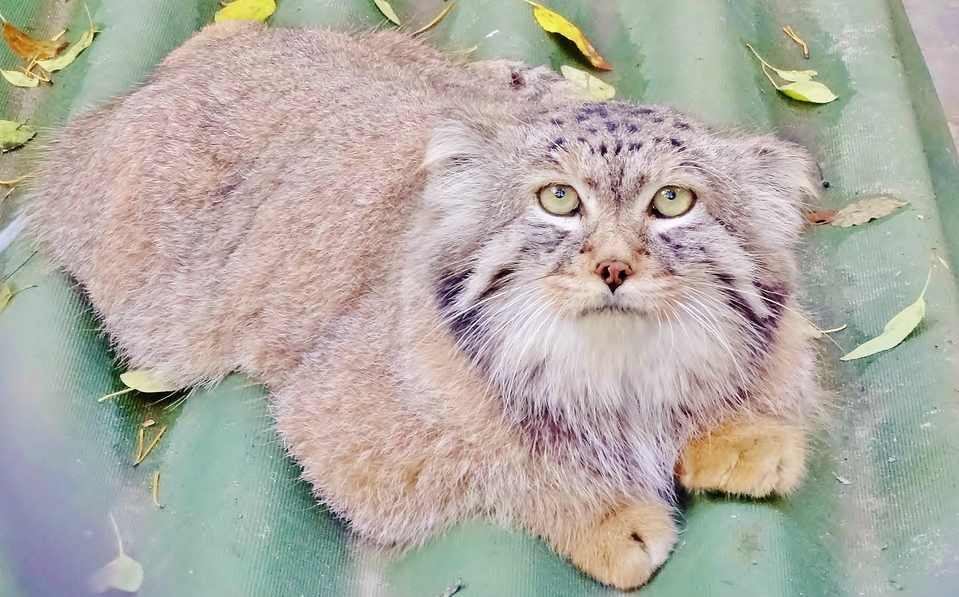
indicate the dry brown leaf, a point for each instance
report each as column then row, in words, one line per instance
column 28, row 48
column 865, row 211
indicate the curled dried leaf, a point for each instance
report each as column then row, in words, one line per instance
column 28, row 48
column 864, row 211
column 246, row 10
column 595, row 89
column 554, row 22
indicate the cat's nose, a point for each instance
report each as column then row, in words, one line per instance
column 614, row 273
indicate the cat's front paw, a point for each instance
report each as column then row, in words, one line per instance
column 755, row 458
column 627, row 546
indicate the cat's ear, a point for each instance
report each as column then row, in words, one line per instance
column 787, row 168
column 462, row 139
column 778, row 175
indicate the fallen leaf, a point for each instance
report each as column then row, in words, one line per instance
column 246, row 10
column 435, row 20
column 865, row 211
column 28, row 48
column 896, row 330
column 843, row 480
column 65, row 59
column 387, row 10
column 800, row 84
column 554, row 22
column 595, row 89
column 14, row 134
column 5, row 295
column 20, row 78
column 813, row 92
column 820, row 218
column 122, row 573
column 795, row 75
column 147, row 382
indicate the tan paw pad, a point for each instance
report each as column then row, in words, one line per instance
column 754, row 458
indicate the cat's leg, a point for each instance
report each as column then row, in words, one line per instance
column 756, row 456
column 621, row 545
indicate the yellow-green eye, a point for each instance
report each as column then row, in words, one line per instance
column 559, row 199
column 671, row 202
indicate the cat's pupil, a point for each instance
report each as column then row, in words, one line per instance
column 670, row 194
column 559, row 193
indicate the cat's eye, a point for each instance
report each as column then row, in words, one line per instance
column 559, row 199
column 672, row 202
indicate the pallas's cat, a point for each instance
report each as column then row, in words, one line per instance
column 469, row 292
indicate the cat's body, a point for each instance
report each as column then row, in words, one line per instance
column 358, row 224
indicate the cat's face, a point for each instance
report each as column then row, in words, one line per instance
column 590, row 242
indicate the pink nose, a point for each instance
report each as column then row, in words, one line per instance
column 614, row 273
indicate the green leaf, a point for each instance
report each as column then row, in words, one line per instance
column 813, row 92
column 246, row 10
column 387, row 10
column 122, row 573
column 595, row 89
column 14, row 134
column 19, row 79
column 795, row 75
column 67, row 58
column 147, row 382
column 896, row 330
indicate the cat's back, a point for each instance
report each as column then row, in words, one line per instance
column 240, row 198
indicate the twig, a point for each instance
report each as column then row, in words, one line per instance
column 151, row 446
column 791, row 33
column 139, row 455
column 155, row 489
column 17, row 180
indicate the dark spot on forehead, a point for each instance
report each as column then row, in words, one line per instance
column 657, row 139
column 658, row 119
column 592, row 130
column 557, row 143
column 611, row 126
column 682, row 126
column 556, row 121
column 633, row 128
column 635, row 146
column 602, row 149
column 619, row 148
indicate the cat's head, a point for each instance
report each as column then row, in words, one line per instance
column 603, row 251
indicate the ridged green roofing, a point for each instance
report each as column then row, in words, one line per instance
column 878, row 514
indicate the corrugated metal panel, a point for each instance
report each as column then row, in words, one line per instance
column 237, row 521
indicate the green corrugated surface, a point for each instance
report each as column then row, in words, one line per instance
column 237, row 522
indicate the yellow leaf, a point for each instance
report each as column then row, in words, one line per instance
column 246, row 10
column 19, row 78
column 556, row 23
column 896, row 330
column 594, row 88
column 122, row 573
column 147, row 382
column 865, row 211
column 813, row 92
column 65, row 59
column 5, row 295
column 387, row 10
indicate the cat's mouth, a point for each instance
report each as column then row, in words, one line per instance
column 612, row 308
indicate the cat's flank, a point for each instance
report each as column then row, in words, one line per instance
column 469, row 292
